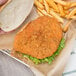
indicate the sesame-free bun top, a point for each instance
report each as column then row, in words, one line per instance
column 40, row 38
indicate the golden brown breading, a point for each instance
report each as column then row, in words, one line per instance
column 40, row 38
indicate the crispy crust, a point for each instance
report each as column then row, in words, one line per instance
column 40, row 38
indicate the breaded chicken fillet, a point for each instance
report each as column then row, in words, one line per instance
column 40, row 38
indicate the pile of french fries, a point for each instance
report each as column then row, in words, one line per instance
column 56, row 8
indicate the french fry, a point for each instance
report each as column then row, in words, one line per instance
column 73, row 17
column 65, row 29
column 71, row 13
column 61, row 10
column 46, row 6
column 40, row 14
column 44, row 12
column 56, row 16
column 38, row 4
column 70, row 5
column 52, row 9
column 67, row 12
column 53, row 5
column 41, row 1
column 73, row 4
column 61, row 2
column 67, row 6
